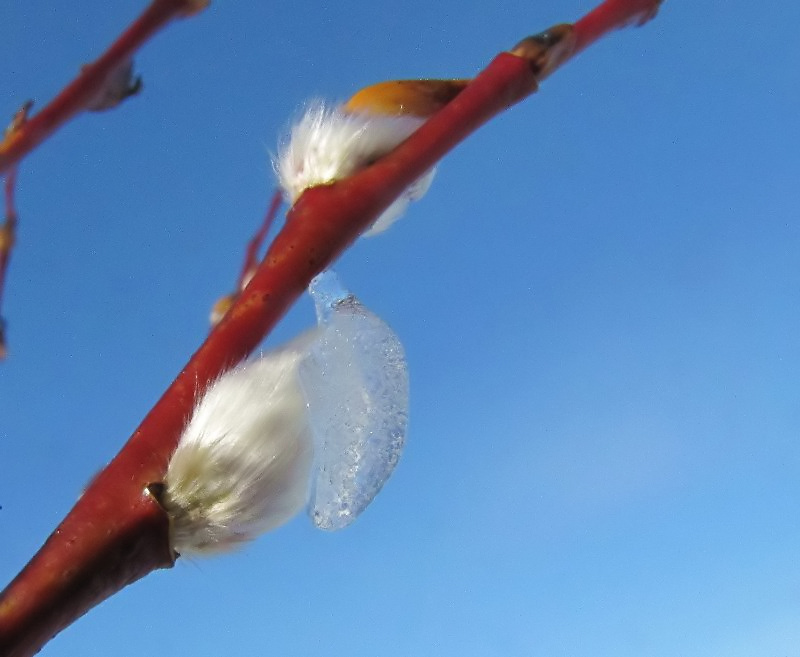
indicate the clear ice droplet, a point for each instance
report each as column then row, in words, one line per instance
column 356, row 383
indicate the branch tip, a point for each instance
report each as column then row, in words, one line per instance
column 612, row 15
column 648, row 14
column 192, row 7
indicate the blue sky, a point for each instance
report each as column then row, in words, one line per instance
column 599, row 300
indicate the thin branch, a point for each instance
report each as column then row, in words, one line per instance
column 116, row 532
column 8, row 235
column 254, row 245
column 250, row 261
column 100, row 86
column 612, row 15
column 90, row 85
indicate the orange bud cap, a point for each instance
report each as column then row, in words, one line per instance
column 405, row 97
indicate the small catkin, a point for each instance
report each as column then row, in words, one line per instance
column 243, row 462
column 330, row 143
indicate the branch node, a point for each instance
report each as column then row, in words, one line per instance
column 120, row 85
column 7, row 235
column 19, row 118
column 547, row 50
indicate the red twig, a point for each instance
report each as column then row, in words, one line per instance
column 100, row 85
column 116, row 532
column 254, row 245
column 8, row 235
column 612, row 15
column 249, row 263
column 92, row 80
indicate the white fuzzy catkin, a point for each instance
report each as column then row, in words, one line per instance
column 243, row 462
column 330, row 143
column 321, row 421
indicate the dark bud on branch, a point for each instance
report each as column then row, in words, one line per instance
column 19, row 118
column 547, row 50
column 119, row 86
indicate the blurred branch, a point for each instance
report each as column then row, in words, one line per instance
column 117, row 532
column 100, row 86
column 8, row 235
column 250, row 262
column 97, row 85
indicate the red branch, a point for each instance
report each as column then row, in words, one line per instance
column 116, row 532
column 8, row 235
column 79, row 94
column 249, row 262
column 612, row 15
column 254, row 245
column 100, row 85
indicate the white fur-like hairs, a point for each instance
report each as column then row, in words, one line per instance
column 330, row 143
column 243, row 463
column 320, row 422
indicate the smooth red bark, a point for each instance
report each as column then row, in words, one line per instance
column 612, row 15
